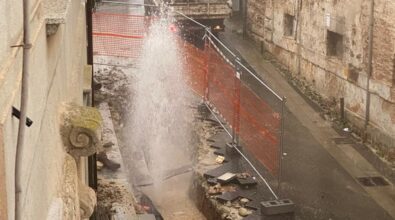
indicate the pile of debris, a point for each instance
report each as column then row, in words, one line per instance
column 115, row 89
column 230, row 190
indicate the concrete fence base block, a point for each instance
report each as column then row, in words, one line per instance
column 281, row 207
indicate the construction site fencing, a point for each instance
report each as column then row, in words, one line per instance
column 250, row 111
column 119, row 35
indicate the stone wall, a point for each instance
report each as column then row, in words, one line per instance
column 383, row 76
column 325, row 44
column 58, row 59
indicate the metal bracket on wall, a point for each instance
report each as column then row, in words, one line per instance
column 17, row 114
column 27, row 46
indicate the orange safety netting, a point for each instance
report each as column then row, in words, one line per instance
column 257, row 124
column 210, row 75
column 118, row 34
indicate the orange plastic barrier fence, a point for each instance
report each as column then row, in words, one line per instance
column 257, row 123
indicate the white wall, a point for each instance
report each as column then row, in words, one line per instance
column 56, row 69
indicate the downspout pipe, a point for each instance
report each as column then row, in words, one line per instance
column 92, row 170
column 370, row 67
column 23, row 109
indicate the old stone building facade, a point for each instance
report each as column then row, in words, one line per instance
column 326, row 43
column 53, row 161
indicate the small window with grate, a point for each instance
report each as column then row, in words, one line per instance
column 334, row 44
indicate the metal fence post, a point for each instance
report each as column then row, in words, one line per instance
column 236, row 122
column 207, row 67
column 280, row 163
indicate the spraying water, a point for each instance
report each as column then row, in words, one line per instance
column 160, row 117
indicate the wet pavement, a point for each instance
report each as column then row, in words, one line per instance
column 318, row 175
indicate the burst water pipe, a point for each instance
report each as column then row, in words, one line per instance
column 23, row 109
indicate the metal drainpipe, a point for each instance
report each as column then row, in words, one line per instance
column 370, row 67
column 23, row 109
column 92, row 170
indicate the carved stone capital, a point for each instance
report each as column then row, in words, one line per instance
column 80, row 130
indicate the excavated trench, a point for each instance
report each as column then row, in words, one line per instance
column 182, row 192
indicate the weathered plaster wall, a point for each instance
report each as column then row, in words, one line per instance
column 306, row 55
column 56, row 70
column 383, row 76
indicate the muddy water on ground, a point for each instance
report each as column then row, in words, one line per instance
column 173, row 201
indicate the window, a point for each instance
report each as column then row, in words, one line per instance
column 288, row 25
column 334, row 44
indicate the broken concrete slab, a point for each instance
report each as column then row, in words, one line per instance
column 228, row 196
column 226, row 177
column 216, row 172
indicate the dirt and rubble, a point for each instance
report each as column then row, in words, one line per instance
column 111, row 194
column 206, row 193
column 115, row 82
